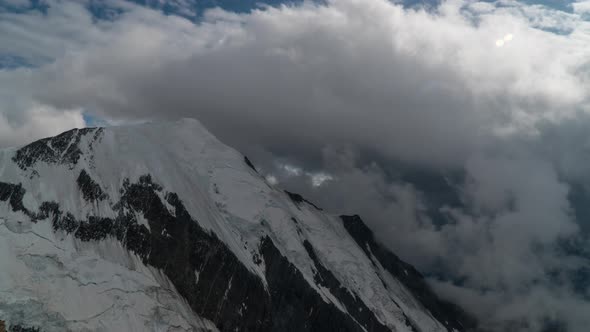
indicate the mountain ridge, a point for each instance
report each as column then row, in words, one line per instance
column 176, row 211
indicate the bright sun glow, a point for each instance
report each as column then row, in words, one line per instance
column 272, row 180
column 506, row 39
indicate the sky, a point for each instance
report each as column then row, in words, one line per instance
column 459, row 130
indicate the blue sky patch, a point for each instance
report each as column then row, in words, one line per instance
column 8, row 61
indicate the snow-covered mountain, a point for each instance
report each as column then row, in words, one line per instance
column 161, row 227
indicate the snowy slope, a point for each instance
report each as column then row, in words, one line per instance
column 161, row 227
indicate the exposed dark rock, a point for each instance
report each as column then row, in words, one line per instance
column 67, row 223
column 445, row 312
column 62, row 149
column 13, row 193
column 181, row 248
column 225, row 292
column 249, row 163
column 298, row 199
column 297, row 227
column 211, row 278
column 90, row 189
column 354, row 305
column 295, row 305
column 95, row 228
column 20, row 328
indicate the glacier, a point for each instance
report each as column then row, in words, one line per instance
column 161, row 227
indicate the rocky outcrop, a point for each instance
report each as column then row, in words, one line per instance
column 62, row 149
column 453, row 317
column 193, row 232
column 214, row 282
column 298, row 199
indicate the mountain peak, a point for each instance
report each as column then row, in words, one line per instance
column 159, row 225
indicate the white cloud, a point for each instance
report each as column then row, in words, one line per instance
column 272, row 180
column 372, row 81
column 40, row 121
column 331, row 62
column 318, row 179
column 581, row 7
column 17, row 3
column 292, row 170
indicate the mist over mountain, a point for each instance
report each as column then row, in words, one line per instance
column 457, row 130
column 160, row 227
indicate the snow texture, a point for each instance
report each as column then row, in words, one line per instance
column 53, row 280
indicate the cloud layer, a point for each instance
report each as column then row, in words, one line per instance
column 342, row 101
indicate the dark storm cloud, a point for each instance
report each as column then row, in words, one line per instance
column 459, row 143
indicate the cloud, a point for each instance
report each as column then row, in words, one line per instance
column 498, row 252
column 328, row 69
column 581, row 7
column 462, row 155
column 22, row 118
column 16, row 3
column 41, row 121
